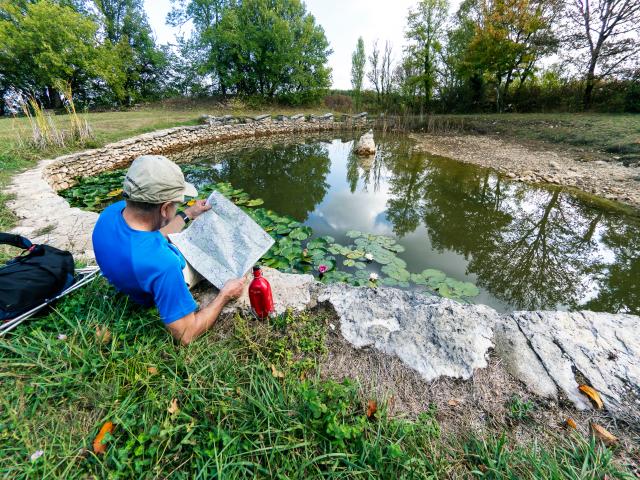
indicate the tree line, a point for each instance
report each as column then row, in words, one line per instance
column 105, row 51
column 490, row 55
column 499, row 55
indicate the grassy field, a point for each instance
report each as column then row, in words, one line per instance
column 244, row 401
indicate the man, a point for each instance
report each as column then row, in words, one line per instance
column 132, row 250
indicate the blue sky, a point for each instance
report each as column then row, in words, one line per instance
column 343, row 21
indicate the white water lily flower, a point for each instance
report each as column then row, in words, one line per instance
column 36, row 455
column 368, row 256
column 62, row 336
column 373, row 276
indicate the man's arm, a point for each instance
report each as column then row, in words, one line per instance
column 195, row 324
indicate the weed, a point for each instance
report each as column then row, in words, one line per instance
column 519, row 410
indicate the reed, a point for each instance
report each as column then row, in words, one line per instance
column 44, row 132
column 80, row 129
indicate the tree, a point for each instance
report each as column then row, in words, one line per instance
column 604, row 38
column 511, row 37
column 46, row 43
column 271, row 48
column 386, row 77
column 197, row 53
column 358, row 62
column 127, row 29
column 374, row 73
column 425, row 28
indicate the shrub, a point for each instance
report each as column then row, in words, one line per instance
column 339, row 103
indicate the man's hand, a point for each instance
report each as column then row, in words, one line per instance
column 198, row 208
column 191, row 326
column 232, row 289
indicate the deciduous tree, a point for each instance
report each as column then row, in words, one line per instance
column 604, row 38
column 425, row 30
column 358, row 63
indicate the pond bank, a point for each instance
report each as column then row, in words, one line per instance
column 612, row 181
column 416, row 350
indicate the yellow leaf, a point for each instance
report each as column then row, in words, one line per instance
column 570, row 423
column 98, row 446
column 603, row 434
column 173, row 407
column 191, row 203
column 114, row 193
column 372, row 408
column 103, row 334
column 593, row 395
column 275, row 372
column 152, row 370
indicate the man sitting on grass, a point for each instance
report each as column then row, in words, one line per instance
column 131, row 247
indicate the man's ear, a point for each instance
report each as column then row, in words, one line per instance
column 165, row 210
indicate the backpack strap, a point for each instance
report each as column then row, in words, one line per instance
column 15, row 241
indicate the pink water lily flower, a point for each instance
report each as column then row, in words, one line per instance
column 323, row 268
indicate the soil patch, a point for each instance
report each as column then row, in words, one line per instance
column 612, row 181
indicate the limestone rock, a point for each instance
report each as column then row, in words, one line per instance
column 601, row 348
column 290, row 291
column 513, row 348
column 366, row 145
column 432, row 335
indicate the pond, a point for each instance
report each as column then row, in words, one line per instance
column 525, row 247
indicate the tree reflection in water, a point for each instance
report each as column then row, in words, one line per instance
column 297, row 172
column 532, row 248
column 529, row 247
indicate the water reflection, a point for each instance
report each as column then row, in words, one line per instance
column 527, row 248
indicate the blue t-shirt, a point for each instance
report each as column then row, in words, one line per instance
column 144, row 265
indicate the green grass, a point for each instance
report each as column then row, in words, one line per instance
column 251, row 405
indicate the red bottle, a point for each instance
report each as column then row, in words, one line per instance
column 260, row 295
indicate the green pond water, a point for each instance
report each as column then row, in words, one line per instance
column 430, row 223
column 525, row 247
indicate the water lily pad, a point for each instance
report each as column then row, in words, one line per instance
column 390, row 282
column 354, row 234
column 255, row 203
column 347, row 262
column 300, row 233
column 397, row 273
column 418, row 279
column 434, row 275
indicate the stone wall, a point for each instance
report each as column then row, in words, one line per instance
column 64, row 171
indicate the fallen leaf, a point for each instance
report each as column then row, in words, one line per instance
column 152, row 370
column 372, row 408
column 593, row 395
column 453, row 402
column 98, row 446
column 603, row 434
column 275, row 372
column 173, row 407
column 103, row 334
column 570, row 423
column 191, row 203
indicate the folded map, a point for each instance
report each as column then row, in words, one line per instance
column 222, row 243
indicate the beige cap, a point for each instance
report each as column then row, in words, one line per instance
column 156, row 179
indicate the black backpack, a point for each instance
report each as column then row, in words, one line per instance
column 40, row 273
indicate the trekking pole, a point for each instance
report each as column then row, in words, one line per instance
column 90, row 274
